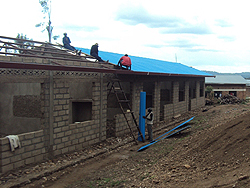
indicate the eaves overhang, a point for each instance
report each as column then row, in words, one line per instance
column 20, row 65
column 224, row 83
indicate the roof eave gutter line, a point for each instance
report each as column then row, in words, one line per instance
column 20, row 65
column 164, row 74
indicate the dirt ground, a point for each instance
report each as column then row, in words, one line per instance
column 214, row 152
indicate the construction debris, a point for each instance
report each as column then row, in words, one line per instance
column 226, row 99
column 230, row 99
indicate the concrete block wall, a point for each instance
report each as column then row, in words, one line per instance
column 61, row 118
column 193, row 103
column 45, row 104
column 200, row 102
column 45, row 110
column 121, row 125
column 46, row 61
column 157, row 101
column 61, row 105
column 32, row 151
column 137, row 88
column 62, row 137
column 247, row 91
column 168, row 112
column 24, row 59
column 197, row 103
column 75, row 136
column 180, row 107
column 67, row 136
column 99, row 108
column 175, row 92
column 241, row 94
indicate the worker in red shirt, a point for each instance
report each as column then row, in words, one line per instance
column 125, row 61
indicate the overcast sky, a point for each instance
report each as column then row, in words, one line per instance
column 209, row 35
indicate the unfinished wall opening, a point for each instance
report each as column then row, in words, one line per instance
column 181, row 91
column 192, row 89
column 27, row 106
column 81, row 111
column 149, row 87
column 202, row 85
column 166, row 96
column 113, row 107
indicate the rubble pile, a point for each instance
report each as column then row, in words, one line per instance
column 209, row 102
column 230, row 99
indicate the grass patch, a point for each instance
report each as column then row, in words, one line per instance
column 199, row 123
column 144, row 176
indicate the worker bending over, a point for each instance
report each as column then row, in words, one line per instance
column 125, row 61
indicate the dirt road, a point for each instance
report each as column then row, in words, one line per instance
column 214, row 152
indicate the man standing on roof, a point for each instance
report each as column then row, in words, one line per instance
column 94, row 52
column 66, row 43
column 150, row 120
column 125, row 61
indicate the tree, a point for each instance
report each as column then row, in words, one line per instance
column 23, row 44
column 209, row 92
column 46, row 5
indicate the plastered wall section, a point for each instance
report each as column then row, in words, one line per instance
column 32, row 151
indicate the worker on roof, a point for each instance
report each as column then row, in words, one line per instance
column 94, row 52
column 66, row 43
column 125, row 61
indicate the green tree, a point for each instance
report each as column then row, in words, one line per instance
column 22, row 43
column 46, row 5
column 209, row 92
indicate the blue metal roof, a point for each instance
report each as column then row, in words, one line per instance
column 142, row 64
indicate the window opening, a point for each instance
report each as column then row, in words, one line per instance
column 181, row 91
column 201, row 88
column 81, row 111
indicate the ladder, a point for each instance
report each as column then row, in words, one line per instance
column 117, row 89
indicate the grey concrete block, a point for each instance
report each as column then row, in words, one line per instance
column 29, row 160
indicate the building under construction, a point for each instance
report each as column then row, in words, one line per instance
column 58, row 102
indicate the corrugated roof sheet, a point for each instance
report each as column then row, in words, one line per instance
column 142, row 64
column 226, row 79
column 248, row 83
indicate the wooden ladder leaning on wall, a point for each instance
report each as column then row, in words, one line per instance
column 115, row 87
